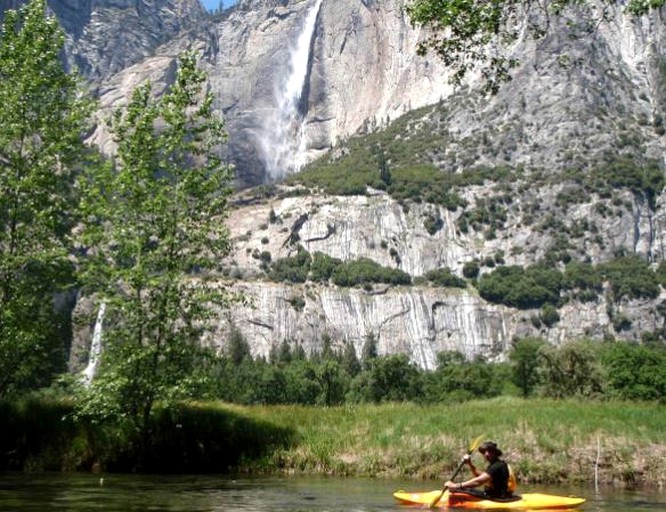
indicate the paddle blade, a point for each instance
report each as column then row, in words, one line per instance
column 475, row 443
column 437, row 499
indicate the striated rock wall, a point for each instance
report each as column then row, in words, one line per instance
column 419, row 320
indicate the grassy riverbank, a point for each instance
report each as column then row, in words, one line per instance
column 544, row 440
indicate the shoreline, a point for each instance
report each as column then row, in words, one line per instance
column 547, row 442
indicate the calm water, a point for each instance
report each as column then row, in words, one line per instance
column 129, row 493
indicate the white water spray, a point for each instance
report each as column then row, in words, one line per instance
column 284, row 142
column 95, row 347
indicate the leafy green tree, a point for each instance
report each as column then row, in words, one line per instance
column 457, row 378
column 43, row 115
column 369, row 352
column 471, row 269
column 323, row 266
column 392, row 378
column 635, row 372
column 332, row 381
column 549, row 315
column 349, row 360
column 154, row 226
column 364, row 271
column 475, row 33
column 582, row 280
column 238, row 347
column 525, row 361
column 574, row 369
column 302, row 383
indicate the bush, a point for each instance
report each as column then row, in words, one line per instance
column 549, row 315
column 630, row 277
column 635, row 372
column 323, row 266
column 471, row 269
column 294, row 269
column 580, row 277
column 364, row 271
column 527, row 288
column 445, row 278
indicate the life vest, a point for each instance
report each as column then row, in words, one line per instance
column 512, row 483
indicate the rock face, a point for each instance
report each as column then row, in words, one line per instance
column 362, row 70
column 419, row 320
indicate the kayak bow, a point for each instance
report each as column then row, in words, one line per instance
column 527, row 501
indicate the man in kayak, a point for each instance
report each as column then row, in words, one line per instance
column 497, row 478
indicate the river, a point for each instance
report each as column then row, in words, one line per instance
column 133, row 493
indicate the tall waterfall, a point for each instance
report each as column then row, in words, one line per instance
column 284, row 142
column 95, row 347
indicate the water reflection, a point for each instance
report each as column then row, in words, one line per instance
column 130, row 493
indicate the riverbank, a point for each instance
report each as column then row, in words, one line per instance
column 546, row 441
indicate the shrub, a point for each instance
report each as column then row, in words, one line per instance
column 445, row 278
column 549, row 315
column 630, row 277
column 323, row 266
column 294, row 269
column 522, row 288
column 471, row 269
column 432, row 224
column 364, row 271
column 635, row 372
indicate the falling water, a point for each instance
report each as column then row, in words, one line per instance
column 284, row 141
column 95, row 347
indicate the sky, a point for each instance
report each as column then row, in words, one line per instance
column 214, row 4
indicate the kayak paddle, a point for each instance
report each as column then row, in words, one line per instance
column 472, row 446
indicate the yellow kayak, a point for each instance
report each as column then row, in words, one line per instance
column 527, row 501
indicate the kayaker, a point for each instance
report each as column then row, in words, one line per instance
column 497, row 478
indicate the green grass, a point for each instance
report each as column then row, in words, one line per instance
column 544, row 440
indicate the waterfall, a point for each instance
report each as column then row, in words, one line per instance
column 95, row 347
column 284, row 142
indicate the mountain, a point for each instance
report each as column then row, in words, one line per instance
column 565, row 164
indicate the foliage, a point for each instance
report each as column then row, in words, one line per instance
column 630, row 277
column 391, row 378
column 323, row 267
column 549, row 315
column 42, row 434
column 154, row 220
column 412, row 175
column 468, row 34
column 524, row 356
column 529, row 287
column 582, row 280
column 364, row 271
column 572, row 370
column 471, row 269
column 293, row 269
column 575, row 369
column 457, row 379
column 43, row 115
column 635, row 372
column 644, row 179
column 445, row 278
